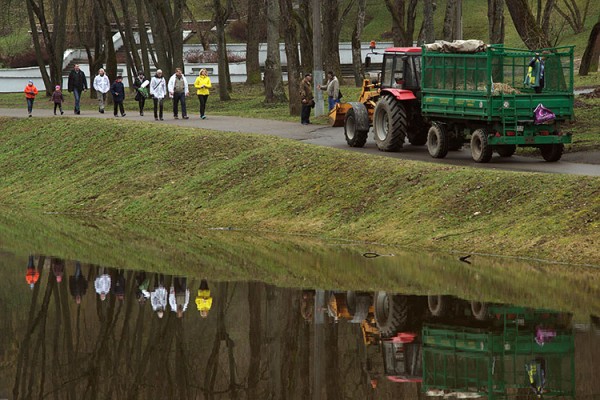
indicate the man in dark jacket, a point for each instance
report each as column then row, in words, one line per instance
column 118, row 92
column 307, row 98
column 77, row 85
column 78, row 284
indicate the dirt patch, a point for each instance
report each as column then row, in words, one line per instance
column 592, row 95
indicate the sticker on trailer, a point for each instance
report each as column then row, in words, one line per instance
column 520, row 128
column 481, row 104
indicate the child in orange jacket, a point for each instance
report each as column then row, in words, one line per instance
column 30, row 93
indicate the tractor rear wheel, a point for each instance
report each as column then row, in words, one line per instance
column 391, row 313
column 437, row 141
column 481, row 151
column 506, row 150
column 390, row 124
column 356, row 125
column 552, row 152
column 439, row 305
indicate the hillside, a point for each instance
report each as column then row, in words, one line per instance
column 136, row 171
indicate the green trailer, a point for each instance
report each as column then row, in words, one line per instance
column 491, row 362
column 482, row 98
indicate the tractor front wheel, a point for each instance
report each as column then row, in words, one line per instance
column 437, row 141
column 481, row 151
column 390, row 124
column 356, row 125
column 552, row 152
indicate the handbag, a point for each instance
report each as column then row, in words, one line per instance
column 542, row 115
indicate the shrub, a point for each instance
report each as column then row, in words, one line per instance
column 209, row 57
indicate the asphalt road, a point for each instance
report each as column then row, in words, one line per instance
column 584, row 163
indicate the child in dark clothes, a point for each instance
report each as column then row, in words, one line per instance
column 118, row 92
column 57, row 98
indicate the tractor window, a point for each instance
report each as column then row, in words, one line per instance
column 388, row 71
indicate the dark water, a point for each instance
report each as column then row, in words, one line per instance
column 279, row 318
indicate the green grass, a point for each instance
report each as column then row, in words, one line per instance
column 137, row 171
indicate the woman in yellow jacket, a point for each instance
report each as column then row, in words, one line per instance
column 204, row 299
column 203, row 85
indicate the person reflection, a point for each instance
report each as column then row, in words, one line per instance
column 119, row 287
column 141, row 283
column 179, row 296
column 307, row 306
column 32, row 275
column 204, row 299
column 58, row 268
column 102, row 283
column 77, row 284
column 158, row 298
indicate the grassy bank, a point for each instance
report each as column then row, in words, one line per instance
column 134, row 171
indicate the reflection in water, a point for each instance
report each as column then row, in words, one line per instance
column 256, row 341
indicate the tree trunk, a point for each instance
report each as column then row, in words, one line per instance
column 304, row 17
column 331, row 49
column 403, row 20
column 220, row 18
column 54, row 41
column 274, row 92
column 589, row 61
column 525, row 23
column 160, row 37
column 548, row 8
column 141, row 21
column 496, row 21
column 428, row 35
column 252, row 45
column 255, row 335
column 359, row 72
column 448, row 31
column 293, row 58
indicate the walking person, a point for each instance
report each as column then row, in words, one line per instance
column 30, row 92
column 118, row 93
column 119, row 287
column 77, row 84
column 307, row 98
column 58, row 268
column 332, row 88
column 77, row 284
column 102, row 284
column 140, row 84
column 158, row 91
column 203, row 85
column 178, row 90
column 158, row 297
column 102, row 86
column 179, row 296
column 204, row 299
column 57, row 98
column 32, row 275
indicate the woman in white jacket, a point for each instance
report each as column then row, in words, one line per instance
column 102, row 86
column 158, row 91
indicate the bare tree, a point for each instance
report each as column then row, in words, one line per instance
column 255, row 12
column 220, row 16
column 589, row 61
column 304, row 19
column 333, row 21
column 94, row 36
column 166, row 20
column 427, row 34
column 356, row 44
column 293, row 58
column 54, row 40
column 496, row 21
column 530, row 32
column 573, row 15
column 404, row 13
column 274, row 92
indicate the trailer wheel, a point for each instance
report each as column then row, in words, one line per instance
column 356, row 125
column 479, row 310
column 439, row 305
column 437, row 141
column 389, row 124
column 481, row 151
column 391, row 313
column 506, row 150
column 552, row 152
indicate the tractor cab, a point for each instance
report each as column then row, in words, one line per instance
column 401, row 68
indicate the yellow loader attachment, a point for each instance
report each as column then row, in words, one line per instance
column 368, row 97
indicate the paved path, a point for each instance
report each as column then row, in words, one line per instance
column 587, row 163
